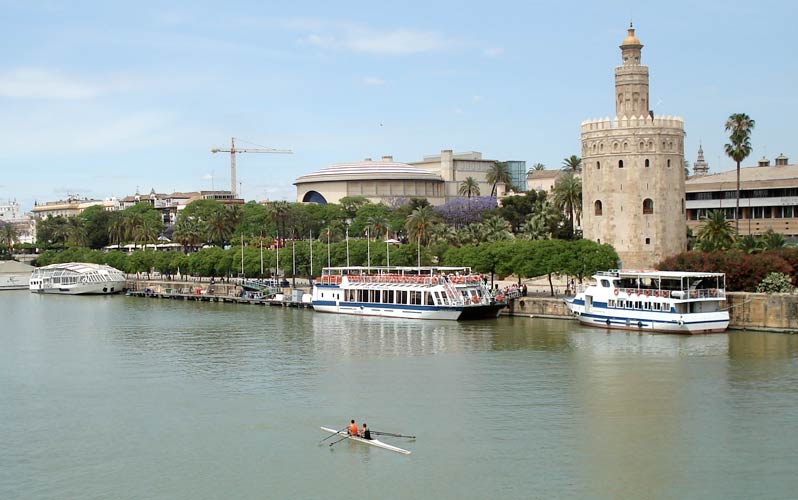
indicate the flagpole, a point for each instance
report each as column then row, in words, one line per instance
column 387, row 251
column 419, row 251
column 368, row 249
column 328, row 247
column 261, row 255
column 293, row 258
column 277, row 268
column 311, row 254
column 242, row 255
column 347, row 245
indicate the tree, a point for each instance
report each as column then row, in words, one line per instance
column 76, row 232
column 496, row 228
column 96, row 221
column 469, row 187
column 715, row 233
column 572, row 164
column 740, row 126
column 419, row 223
column 568, row 197
column 188, row 232
column 498, row 173
column 772, row 240
column 9, row 235
column 538, row 166
column 117, row 229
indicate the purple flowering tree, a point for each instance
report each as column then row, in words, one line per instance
column 459, row 212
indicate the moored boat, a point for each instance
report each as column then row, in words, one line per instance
column 656, row 301
column 372, row 442
column 449, row 293
column 77, row 278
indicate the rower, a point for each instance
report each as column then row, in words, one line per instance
column 353, row 431
column 365, row 433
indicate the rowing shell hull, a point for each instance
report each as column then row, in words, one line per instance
column 372, row 442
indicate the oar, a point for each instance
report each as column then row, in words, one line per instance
column 334, row 442
column 331, row 435
column 392, row 434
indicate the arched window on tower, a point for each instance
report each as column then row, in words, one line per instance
column 669, row 164
column 648, row 206
column 597, row 207
column 648, row 164
column 598, row 165
column 620, row 163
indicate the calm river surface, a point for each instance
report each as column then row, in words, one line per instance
column 119, row 397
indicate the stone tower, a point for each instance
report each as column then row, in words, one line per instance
column 700, row 167
column 633, row 172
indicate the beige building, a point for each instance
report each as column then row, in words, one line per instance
column 633, row 172
column 436, row 178
column 542, row 180
column 70, row 207
column 768, row 197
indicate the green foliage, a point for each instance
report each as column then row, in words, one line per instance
column 715, row 232
column 568, row 198
column 775, row 283
column 743, row 271
column 572, row 164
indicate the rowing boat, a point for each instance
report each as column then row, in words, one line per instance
column 372, row 442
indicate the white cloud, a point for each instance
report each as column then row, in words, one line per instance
column 493, row 52
column 476, row 98
column 373, row 80
column 382, row 42
column 36, row 83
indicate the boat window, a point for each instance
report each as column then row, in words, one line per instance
column 605, row 283
column 430, row 302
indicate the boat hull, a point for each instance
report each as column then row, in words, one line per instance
column 372, row 442
column 615, row 319
column 105, row 288
column 388, row 310
column 485, row 311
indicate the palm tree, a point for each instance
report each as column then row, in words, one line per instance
column 9, row 235
column 378, row 224
column 497, row 228
column 147, row 231
column 715, row 233
column 469, row 187
column 537, row 225
column 772, row 240
column 538, row 166
column 76, row 232
column 471, row 234
column 748, row 244
column 738, row 149
column 498, row 173
column 188, row 233
column 568, row 197
column 218, row 229
column 572, row 164
column 419, row 223
column 444, row 233
column 117, row 229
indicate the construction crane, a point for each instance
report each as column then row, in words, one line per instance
column 233, row 151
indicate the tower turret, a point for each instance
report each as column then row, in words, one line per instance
column 700, row 167
column 631, row 80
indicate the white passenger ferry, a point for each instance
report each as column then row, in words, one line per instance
column 659, row 301
column 75, row 278
column 452, row 293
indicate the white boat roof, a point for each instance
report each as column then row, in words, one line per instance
column 399, row 268
column 80, row 267
column 656, row 274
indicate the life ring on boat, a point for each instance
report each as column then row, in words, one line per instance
column 656, row 293
column 475, row 300
column 648, row 293
column 713, row 292
column 500, row 298
column 616, row 291
column 628, row 291
column 665, row 293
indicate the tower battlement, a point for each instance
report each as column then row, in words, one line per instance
column 662, row 121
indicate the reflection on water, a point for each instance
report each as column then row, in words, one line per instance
column 111, row 397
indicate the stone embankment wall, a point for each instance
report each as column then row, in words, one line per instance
column 747, row 311
column 761, row 311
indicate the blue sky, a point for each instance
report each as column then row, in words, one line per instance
column 98, row 98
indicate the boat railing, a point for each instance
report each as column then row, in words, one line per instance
column 703, row 293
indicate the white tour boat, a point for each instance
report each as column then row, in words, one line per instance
column 659, row 301
column 372, row 442
column 451, row 293
column 75, row 278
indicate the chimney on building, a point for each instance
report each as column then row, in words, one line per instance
column 387, row 158
column 764, row 162
column 367, row 159
column 781, row 160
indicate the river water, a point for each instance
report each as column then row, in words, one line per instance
column 120, row 397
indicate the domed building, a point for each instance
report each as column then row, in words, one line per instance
column 436, row 177
column 379, row 181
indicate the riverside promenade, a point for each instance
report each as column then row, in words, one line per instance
column 747, row 311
